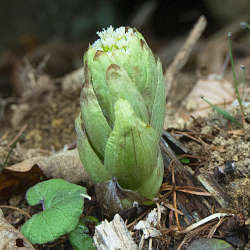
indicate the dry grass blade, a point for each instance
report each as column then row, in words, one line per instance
column 185, row 189
column 214, row 228
column 136, row 220
column 172, row 208
column 204, row 221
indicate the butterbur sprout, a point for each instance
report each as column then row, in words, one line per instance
column 122, row 112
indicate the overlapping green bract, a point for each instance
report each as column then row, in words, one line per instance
column 122, row 112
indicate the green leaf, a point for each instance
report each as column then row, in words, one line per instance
column 121, row 86
column 209, row 244
column 185, row 160
column 97, row 63
column 152, row 185
column 158, row 109
column 91, row 162
column 79, row 238
column 223, row 112
column 132, row 148
column 62, row 203
column 95, row 123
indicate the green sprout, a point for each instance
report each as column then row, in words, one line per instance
column 243, row 69
column 223, row 112
column 236, row 85
column 122, row 112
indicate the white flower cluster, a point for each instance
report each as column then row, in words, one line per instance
column 111, row 39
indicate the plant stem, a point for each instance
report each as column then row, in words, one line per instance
column 235, row 79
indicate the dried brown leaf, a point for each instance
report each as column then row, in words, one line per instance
column 65, row 165
column 218, row 92
column 10, row 238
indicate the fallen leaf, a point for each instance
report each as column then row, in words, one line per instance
column 219, row 92
column 17, row 181
column 73, row 81
column 148, row 226
column 209, row 244
column 65, row 165
column 10, row 238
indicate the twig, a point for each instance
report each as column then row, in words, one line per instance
column 150, row 244
column 169, row 206
column 17, row 136
column 194, row 139
column 183, row 55
column 158, row 214
column 143, row 14
column 214, row 228
column 141, row 242
column 186, row 189
column 174, row 197
column 136, row 220
column 18, row 209
column 194, row 233
column 12, row 144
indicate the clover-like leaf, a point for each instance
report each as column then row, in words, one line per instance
column 210, row 244
column 79, row 238
column 62, row 204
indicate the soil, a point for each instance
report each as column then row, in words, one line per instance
column 227, row 155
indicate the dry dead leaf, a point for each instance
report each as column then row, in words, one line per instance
column 73, row 81
column 18, row 181
column 65, row 165
column 11, row 238
column 148, row 226
column 216, row 91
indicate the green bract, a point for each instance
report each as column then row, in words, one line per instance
column 122, row 112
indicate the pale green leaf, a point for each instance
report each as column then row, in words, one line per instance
column 62, row 203
column 132, row 148
column 89, row 158
column 121, row 86
column 95, row 123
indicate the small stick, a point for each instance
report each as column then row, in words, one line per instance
column 136, row 220
column 184, row 53
column 174, row 197
column 12, row 144
column 21, row 211
column 158, row 214
column 18, row 135
column 214, row 228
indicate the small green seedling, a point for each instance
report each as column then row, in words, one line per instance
column 185, row 160
column 244, row 92
column 79, row 238
column 223, row 112
column 62, row 207
column 236, row 85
